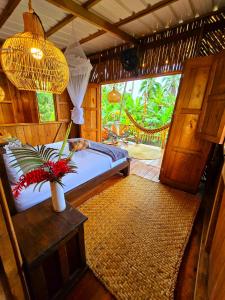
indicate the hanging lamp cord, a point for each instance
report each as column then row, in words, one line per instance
column 30, row 6
column 33, row 12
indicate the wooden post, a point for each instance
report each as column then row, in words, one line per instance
column 9, row 251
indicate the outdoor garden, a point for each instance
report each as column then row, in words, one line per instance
column 149, row 102
column 46, row 106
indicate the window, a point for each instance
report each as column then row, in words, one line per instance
column 46, row 106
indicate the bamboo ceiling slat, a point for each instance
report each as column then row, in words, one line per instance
column 164, row 52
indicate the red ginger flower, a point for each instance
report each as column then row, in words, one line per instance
column 58, row 169
column 34, row 176
column 50, row 171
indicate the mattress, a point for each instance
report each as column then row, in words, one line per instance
column 89, row 164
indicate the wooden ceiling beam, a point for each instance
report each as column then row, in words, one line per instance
column 150, row 9
column 69, row 18
column 8, row 10
column 90, row 3
column 133, row 17
column 92, row 36
column 60, row 25
column 73, row 8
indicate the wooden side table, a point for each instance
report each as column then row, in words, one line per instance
column 53, row 250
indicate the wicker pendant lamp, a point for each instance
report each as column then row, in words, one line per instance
column 114, row 96
column 31, row 62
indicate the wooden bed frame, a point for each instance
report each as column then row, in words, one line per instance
column 123, row 168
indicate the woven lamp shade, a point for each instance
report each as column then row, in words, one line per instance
column 31, row 62
column 2, row 94
column 114, row 96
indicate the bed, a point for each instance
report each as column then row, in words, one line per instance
column 93, row 167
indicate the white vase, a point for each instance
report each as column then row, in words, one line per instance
column 58, row 197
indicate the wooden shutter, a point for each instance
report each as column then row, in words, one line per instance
column 63, row 107
column 91, row 129
column 185, row 154
column 212, row 123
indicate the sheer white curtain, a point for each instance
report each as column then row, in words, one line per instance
column 80, row 69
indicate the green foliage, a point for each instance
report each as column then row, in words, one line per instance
column 152, row 107
column 29, row 158
column 65, row 141
column 46, row 106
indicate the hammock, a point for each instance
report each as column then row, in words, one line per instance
column 146, row 130
column 145, row 134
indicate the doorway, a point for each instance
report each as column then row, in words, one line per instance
column 138, row 117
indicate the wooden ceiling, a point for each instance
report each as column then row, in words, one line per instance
column 102, row 24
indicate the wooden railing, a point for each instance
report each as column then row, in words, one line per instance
column 142, row 137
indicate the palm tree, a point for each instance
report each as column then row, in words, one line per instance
column 171, row 83
column 147, row 90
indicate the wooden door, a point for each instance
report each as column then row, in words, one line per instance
column 91, row 129
column 185, row 154
column 216, row 272
column 212, row 122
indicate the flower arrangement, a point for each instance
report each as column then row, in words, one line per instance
column 49, row 171
column 41, row 164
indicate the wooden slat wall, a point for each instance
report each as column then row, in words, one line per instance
column 35, row 133
column 163, row 52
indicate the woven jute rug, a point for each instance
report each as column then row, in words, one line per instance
column 141, row 151
column 135, row 237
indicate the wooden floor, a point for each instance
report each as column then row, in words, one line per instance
column 90, row 288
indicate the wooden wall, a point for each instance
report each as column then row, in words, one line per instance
column 35, row 133
column 164, row 51
column 19, row 115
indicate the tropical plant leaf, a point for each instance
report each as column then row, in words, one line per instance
column 39, row 184
column 71, row 154
column 65, row 140
column 29, row 158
